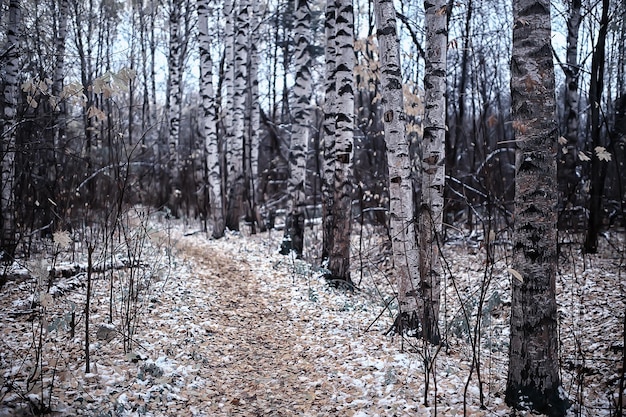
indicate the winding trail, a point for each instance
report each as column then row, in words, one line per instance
column 252, row 363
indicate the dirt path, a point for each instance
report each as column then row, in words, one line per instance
column 252, row 362
column 225, row 328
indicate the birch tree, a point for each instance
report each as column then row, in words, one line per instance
column 340, row 150
column 208, row 122
column 235, row 153
column 174, row 96
column 433, row 164
column 401, row 207
column 328, row 128
column 226, row 105
column 8, row 239
column 533, row 375
column 253, row 118
column 294, row 228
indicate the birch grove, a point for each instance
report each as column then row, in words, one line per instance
column 425, row 159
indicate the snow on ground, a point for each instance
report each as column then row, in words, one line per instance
column 231, row 328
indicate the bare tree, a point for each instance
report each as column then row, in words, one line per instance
column 568, row 156
column 401, row 207
column 340, row 151
column 235, row 145
column 533, row 376
column 432, row 170
column 598, row 166
column 8, row 225
column 174, row 98
column 328, row 127
column 208, row 122
column 253, row 119
column 300, row 132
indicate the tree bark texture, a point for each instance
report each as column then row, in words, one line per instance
column 8, row 225
column 339, row 257
column 175, row 96
column 432, row 170
column 294, row 228
column 401, row 207
column 253, row 120
column 533, row 376
column 208, row 122
column 328, row 128
column 235, row 155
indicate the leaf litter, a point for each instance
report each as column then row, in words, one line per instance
column 235, row 329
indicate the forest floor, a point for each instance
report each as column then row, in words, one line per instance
column 231, row 328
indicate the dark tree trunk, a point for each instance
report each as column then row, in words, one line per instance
column 598, row 167
column 533, row 376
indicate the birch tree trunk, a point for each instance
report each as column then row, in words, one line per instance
column 328, row 128
column 153, row 51
column 253, row 120
column 433, row 164
column 401, row 207
column 208, row 122
column 235, row 153
column 293, row 239
column 339, row 256
column 9, row 238
column 226, row 96
column 174, row 100
column 533, row 376
column 143, row 45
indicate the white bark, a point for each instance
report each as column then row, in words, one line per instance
column 300, row 131
column 328, row 127
column 253, row 77
column 302, row 106
column 254, row 114
column 175, row 87
column 228, row 81
column 208, row 122
column 235, row 153
column 433, row 164
column 401, row 206
column 339, row 258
